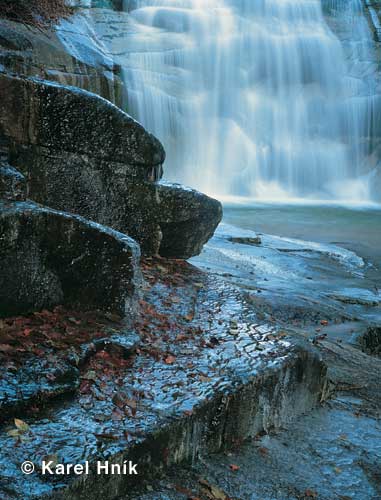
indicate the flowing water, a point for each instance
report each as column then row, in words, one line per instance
column 255, row 98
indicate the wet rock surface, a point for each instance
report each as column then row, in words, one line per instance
column 42, row 354
column 103, row 172
column 200, row 380
column 69, row 53
column 333, row 453
column 188, row 220
column 12, row 183
column 106, row 172
column 295, row 282
column 50, row 257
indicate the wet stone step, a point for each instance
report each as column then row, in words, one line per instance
column 191, row 388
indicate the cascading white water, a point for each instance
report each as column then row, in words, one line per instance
column 252, row 98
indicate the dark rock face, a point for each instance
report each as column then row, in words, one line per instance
column 12, row 183
column 50, row 258
column 188, row 219
column 83, row 155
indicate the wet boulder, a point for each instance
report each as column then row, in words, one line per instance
column 188, row 220
column 83, row 155
column 50, row 257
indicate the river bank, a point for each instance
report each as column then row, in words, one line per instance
column 260, row 351
column 334, row 452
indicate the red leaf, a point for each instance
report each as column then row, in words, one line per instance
column 169, row 360
column 234, row 467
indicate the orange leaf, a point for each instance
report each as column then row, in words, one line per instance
column 169, row 360
column 234, row 467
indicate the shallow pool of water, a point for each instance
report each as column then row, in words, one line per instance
column 358, row 230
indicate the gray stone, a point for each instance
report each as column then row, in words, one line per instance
column 49, row 257
column 105, row 172
column 188, row 219
column 83, row 155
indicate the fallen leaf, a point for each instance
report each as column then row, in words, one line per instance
column 234, row 467
column 181, row 338
column 169, row 360
column 75, row 321
column 14, row 433
column 21, row 425
column 90, row 375
column 213, row 492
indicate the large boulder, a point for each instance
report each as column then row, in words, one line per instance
column 188, row 219
column 81, row 154
column 50, row 257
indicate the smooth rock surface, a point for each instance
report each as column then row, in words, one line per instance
column 50, row 258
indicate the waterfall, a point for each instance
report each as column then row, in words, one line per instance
column 255, row 98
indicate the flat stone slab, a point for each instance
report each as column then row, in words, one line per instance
column 206, row 375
